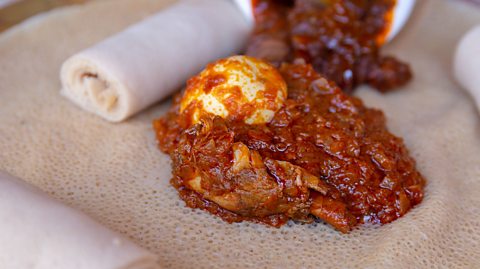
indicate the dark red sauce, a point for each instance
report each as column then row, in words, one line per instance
column 364, row 173
column 340, row 38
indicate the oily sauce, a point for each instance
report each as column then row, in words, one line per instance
column 366, row 174
column 340, row 38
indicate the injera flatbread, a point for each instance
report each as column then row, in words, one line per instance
column 150, row 60
column 39, row 232
column 115, row 173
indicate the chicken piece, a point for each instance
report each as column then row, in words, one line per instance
column 333, row 212
column 299, row 177
column 267, row 187
column 245, row 183
column 254, row 194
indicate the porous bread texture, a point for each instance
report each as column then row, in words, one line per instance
column 115, row 173
column 466, row 63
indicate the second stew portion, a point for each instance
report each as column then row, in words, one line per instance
column 340, row 38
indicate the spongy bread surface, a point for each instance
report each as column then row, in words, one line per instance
column 115, row 173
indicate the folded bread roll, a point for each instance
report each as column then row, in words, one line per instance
column 42, row 233
column 149, row 60
column 466, row 65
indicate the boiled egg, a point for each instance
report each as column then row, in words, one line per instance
column 238, row 88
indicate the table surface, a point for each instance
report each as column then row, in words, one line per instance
column 19, row 10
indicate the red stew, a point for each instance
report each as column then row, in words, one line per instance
column 366, row 174
column 340, row 38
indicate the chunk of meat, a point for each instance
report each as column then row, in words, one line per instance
column 333, row 212
column 249, row 185
column 254, row 194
